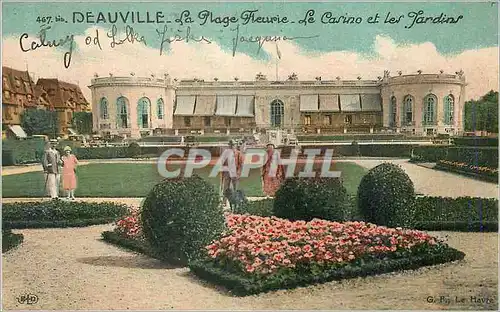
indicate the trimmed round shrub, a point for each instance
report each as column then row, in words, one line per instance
column 309, row 198
column 180, row 217
column 134, row 149
column 386, row 196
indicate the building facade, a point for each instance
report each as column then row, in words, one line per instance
column 420, row 104
column 18, row 93
column 62, row 97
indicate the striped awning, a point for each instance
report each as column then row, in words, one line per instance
column 205, row 105
column 329, row 103
column 309, row 103
column 185, row 105
column 245, row 107
column 18, row 131
column 226, row 105
column 371, row 102
column 350, row 103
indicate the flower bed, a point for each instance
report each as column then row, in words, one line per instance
column 260, row 254
column 485, row 173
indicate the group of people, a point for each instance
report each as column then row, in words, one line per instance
column 271, row 181
column 55, row 167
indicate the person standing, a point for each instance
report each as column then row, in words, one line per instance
column 69, row 172
column 230, row 179
column 50, row 163
column 272, row 178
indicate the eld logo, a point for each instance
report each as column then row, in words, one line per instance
column 28, row 299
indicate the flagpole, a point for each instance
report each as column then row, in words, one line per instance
column 277, row 68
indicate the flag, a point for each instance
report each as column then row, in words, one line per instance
column 278, row 52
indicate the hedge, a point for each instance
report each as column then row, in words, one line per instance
column 477, row 156
column 457, row 214
column 429, row 153
column 481, row 175
column 10, row 240
column 475, row 141
column 310, row 198
column 241, row 285
column 59, row 213
column 128, row 243
column 17, row 152
column 358, row 137
column 432, row 213
column 366, row 150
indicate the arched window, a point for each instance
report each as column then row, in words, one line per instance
column 277, row 112
column 429, row 109
column 103, row 108
column 408, row 110
column 393, row 112
column 159, row 108
column 449, row 109
column 122, row 110
column 143, row 110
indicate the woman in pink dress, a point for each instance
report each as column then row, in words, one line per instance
column 272, row 178
column 69, row 172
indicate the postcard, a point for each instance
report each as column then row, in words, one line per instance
column 250, row 155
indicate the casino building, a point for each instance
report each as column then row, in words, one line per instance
column 420, row 104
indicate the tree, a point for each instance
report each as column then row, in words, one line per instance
column 82, row 122
column 39, row 121
column 482, row 115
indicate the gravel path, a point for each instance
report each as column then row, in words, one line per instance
column 72, row 269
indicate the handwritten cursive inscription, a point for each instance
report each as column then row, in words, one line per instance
column 260, row 40
column 186, row 35
column 130, row 36
column 43, row 42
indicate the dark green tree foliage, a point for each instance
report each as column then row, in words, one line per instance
column 39, row 121
column 482, row 115
column 82, row 122
column 180, row 217
column 309, row 198
column 386, row 196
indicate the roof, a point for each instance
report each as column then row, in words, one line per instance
column 60, row 93
column 18, row 131
column 17, row 82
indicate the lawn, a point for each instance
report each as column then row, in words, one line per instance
column 135, row 180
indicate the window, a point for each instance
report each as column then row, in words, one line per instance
column 408, row 110
column 429, row 109
column 227, row 121
column 449, row 109
column 143, row 109
column 187, row 121
column 393, row 112
column 103, row 108
column 5, row 82
column 307, row 120
column 159, row 108
column 207, row 122
column 277, row 112
column 69, row 116
column 327, row 120
column 122, row 112
column 6, row 95
column 348, row 119
column 18, row 82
